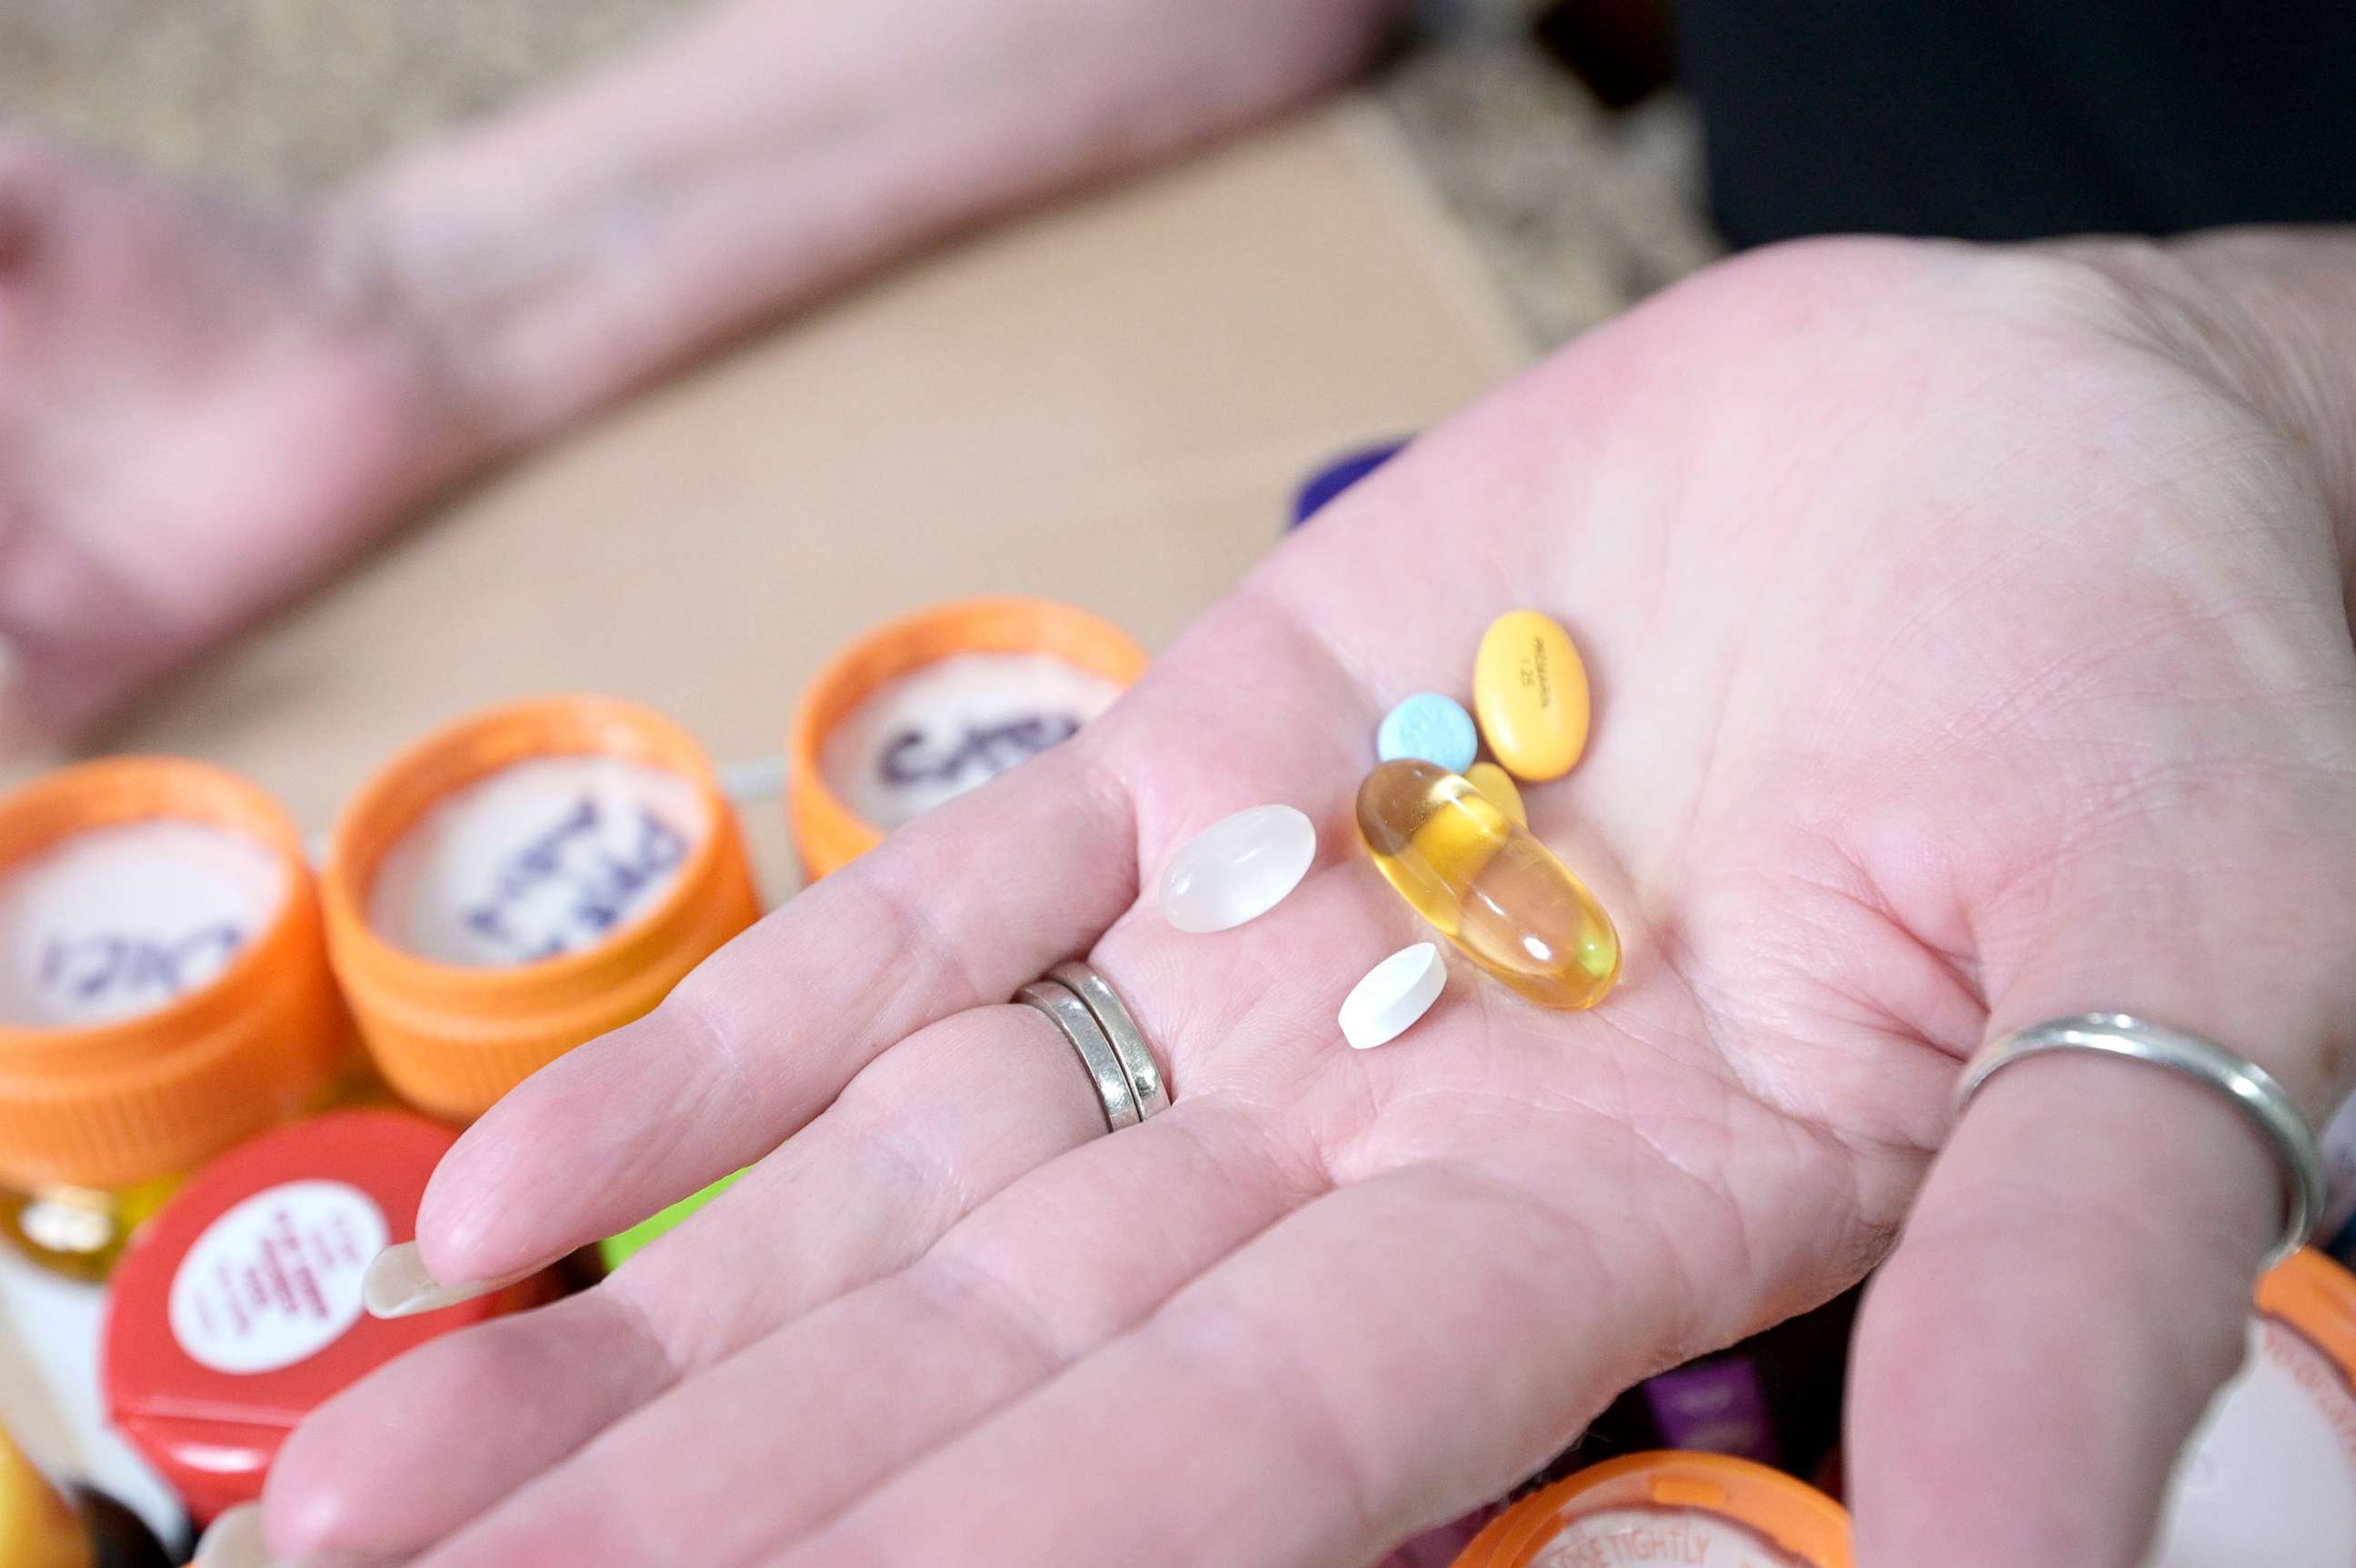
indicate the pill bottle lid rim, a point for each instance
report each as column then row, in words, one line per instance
column 1790, row 1515
column 472, row 748
column 114, row 791
column 826, row 832
column 112, row 1104
column 452, row 1038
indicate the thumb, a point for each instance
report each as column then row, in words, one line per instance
column 2074, row 1282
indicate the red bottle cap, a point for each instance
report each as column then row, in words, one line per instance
column 236, row 1310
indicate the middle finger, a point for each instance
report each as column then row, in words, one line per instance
column 779, row 1437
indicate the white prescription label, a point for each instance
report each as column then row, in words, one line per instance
column 119, row 920
column 937, row 732
column 276, row 1280
column 1632, row 1537
column 2270, row 1477
column 542, row 858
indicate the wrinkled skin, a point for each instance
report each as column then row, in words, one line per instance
column 1968, row 647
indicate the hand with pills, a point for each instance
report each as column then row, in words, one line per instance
column 1674, row 768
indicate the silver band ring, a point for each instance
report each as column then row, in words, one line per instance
column 1114, row 1096
column 2249, row 1087
column 1128, row 1040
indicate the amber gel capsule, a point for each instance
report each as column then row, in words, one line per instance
column 1490, row 887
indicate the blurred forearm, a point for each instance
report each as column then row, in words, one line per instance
column 776, row 148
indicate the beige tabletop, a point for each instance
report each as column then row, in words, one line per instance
column 1110, row 403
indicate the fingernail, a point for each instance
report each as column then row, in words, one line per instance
column 234, row 1541
column 398, row 1284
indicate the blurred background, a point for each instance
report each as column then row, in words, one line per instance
column 1579, row 207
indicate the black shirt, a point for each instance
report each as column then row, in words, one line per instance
column 2010, row 119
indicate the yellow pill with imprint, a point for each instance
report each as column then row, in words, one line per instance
column 1498, row 785
column 1529, row 690
column 1487, row 884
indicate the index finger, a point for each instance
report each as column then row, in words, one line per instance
column 955, row 910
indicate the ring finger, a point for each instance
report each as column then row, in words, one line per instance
column 863, row 1190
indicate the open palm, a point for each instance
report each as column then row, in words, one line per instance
column 1963, row 656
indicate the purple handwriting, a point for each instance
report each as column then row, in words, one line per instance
column 986, row 750
column 591, row 882
column 110, row 965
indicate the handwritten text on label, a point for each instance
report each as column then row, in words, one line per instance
column 984, row 751
column 112, row 967
column 571, row 886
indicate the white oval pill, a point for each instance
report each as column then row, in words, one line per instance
column 1393, row 995
column 1238, row 868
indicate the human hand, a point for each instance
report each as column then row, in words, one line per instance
column 204, row 407
column 1969, row 648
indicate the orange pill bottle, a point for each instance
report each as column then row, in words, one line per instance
column 522, row 881
column 1705, row 1510
column 38, row 1528
column 163, row 992
column 43, row 1526
column 935, row 701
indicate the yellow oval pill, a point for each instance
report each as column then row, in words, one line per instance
column 1529, row 689
column 1497, row 786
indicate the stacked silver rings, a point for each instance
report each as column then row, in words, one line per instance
column 1128, row 1080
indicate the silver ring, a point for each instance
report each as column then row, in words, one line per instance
column 1128, row 1040
column 2249, row 1087
column 1079, row 1026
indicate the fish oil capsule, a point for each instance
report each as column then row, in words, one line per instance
column 1488, row 885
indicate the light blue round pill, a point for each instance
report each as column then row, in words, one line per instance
column 1432, row 727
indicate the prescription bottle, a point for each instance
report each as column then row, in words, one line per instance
column 2270, row 1476
column 524, row 880
column 237, row 1309
column 38, row 1528
column 163, row 992
column 939, row 701
column 43, row 1526
column 1705, row 1510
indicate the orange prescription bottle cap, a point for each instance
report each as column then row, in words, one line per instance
column 2270, row 1476
column 154, row 1076
column 236, row 1310
column 568, row 858
column 1705, row 1510
column 38, row 1528
column 828, row 830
